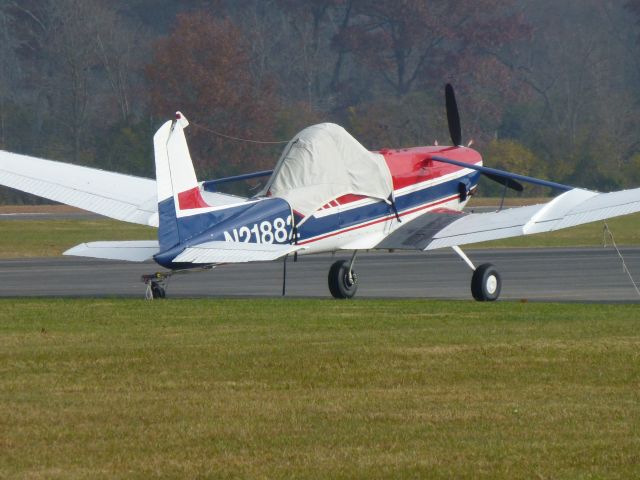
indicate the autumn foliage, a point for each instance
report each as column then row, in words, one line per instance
column 203, row 69
column 552, row 82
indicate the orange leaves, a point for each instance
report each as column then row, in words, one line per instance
column 406, row 42
column 203, row 69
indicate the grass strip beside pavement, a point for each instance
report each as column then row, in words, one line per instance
column 626, row 231
column 49, row 238
column 318, row 389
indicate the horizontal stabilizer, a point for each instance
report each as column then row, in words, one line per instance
column 132, row 251
column 234, row 252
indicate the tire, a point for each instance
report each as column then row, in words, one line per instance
column 486, row 283
column 157, row 291
column 341, row 284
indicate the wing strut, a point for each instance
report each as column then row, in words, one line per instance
column 210, row 185
column 494, row 172
column 464, row 257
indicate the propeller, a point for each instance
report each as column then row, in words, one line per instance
column 453, row 117
column 455, row 130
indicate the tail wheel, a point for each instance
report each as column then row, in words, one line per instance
column 157, row 291
column 342, row 283
column 156, row 284
column 486, row 283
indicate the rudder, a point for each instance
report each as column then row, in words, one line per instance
column 176, row 180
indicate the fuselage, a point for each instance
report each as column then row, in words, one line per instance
column 420, row 186
column 350, row 222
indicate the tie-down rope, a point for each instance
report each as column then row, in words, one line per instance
column 625, row 269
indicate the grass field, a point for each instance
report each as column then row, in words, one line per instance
column 46, row 238
column 626, row 231
column 43, row 238
column 318, row 389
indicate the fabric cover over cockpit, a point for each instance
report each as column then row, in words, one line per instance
column 322, row 163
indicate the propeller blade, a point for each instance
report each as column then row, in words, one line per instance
column 453, row 117
column 507, row 182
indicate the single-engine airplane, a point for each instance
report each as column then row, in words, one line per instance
column 327, row 193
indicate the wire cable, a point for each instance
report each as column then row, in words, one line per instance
column 606, row 231
column 237, row 139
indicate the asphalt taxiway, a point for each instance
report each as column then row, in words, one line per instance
column 574, row 275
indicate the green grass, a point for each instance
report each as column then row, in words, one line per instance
column 626, row 231
column 318, row 389
column 46, row 238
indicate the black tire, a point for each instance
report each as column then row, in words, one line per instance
column 341, row 284
column 157, row 291
column 486, row 283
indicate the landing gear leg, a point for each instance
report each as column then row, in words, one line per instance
column 156, row 285
column 485, row 282
column 343, row 281
column 157, row 282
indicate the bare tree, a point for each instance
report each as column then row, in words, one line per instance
column 578, row 66
column 8, row 65
column 122, row 49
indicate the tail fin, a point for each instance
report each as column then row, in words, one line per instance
column 178, row 188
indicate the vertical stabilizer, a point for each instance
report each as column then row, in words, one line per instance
column 178, row 188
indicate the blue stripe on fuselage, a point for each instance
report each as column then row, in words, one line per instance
column 212, row 226
column 320, row 226
column 174, row 231
column 196, row 229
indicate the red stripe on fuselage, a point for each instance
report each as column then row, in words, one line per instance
column 191, row 199
column 379, row 220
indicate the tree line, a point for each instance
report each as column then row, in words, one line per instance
column 546, row 87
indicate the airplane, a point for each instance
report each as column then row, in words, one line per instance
column 327, row 193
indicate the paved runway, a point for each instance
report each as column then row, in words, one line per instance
column 587, row 274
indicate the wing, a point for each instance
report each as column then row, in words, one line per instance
column 572, row 208
column 123, row 197
column 417, row 234
column 233, row 252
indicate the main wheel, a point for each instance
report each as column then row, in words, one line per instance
column 486, row 283
column 157, row 291
column 342, row 284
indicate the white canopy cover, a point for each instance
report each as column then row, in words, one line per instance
column 323, row 162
